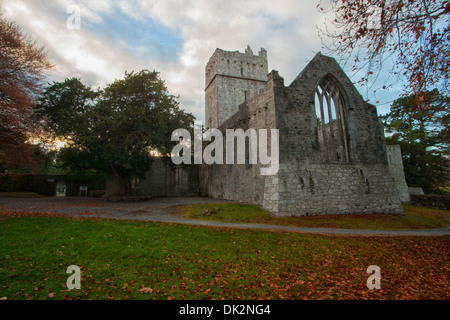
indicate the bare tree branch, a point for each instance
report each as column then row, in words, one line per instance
column 414, row 34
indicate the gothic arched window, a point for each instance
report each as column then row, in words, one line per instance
column 331, row 121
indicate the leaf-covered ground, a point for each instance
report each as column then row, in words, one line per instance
column 147, row 260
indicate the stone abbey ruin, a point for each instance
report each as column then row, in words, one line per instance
column 332, row 155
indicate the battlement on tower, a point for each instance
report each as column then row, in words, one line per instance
column 237, row 64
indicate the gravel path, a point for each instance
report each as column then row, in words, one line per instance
column 158, row 209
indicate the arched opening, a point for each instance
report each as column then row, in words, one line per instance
column 331, row 121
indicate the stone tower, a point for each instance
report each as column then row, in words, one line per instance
column 232, row 78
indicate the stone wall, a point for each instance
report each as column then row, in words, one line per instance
column 395, row 164
column 243, row 182
column 314, row 189
column 163, row 180
column 431, row 201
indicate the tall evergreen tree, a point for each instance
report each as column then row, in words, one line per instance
column 423, row 137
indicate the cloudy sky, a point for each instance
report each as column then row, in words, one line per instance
column 174, row 37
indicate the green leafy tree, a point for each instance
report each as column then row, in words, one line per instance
column 62, row 105
column 113, row 130
column 422, row 137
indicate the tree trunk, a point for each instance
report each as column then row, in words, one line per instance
column 123, row 182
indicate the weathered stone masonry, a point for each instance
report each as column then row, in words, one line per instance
column 348, row 175
column 395, row 163
column 232, row 78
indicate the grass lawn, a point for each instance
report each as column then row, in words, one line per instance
column 148, row 260
column 416, row 217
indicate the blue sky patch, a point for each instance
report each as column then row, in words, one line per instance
column 148, row 37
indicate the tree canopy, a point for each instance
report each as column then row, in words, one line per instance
column 422, row 137
column 22, row 67
column 415, row 35
column 113, row 130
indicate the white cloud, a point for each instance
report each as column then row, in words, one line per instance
column 76, row 52
column 286, row 28
column 231, row 25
